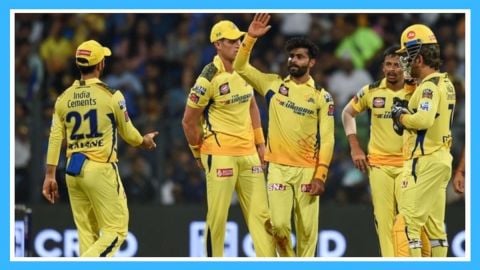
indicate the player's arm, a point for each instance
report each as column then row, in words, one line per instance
column 358, row 155
column 257, row 129
column 198, row 99
column 57, row 134
column 127, row 130
column 327, row 128
column 259, row 80
column 427, row 109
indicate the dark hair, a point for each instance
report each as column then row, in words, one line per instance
column 391, row 51
column 431, row 55
column 302, row 42
column 85, row 69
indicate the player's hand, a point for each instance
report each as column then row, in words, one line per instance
column 359, row 159
column 259, row 25
column 397, row 112
column 317, row 187
column 459, row 182
column 261, row 154
column 50, row 189
column 148, row 142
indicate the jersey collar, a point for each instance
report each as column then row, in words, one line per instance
column 218, row 63
column 310, row 81
column 87, row 82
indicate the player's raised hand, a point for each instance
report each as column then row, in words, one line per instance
column 259, row 25
column 50, row 189
column 148, row 142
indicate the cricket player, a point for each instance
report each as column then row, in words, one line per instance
column 227, row 148
column 426, row 126
column 88, row 115
column 300, row 139
column 385, row 159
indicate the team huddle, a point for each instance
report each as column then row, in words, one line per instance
column 408, row 161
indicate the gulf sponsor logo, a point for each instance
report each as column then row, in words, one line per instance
column 283, row 90
column 83, row 53
column 224, row 89
column 225, row 172
column 427, row 93
column 277, row 187
column 331, row 109
column 194, row 98
column 378, row 102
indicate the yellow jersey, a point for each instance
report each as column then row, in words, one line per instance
column 89, row 114
column 226, row 98
column 384, row 146
column 301, row 122
column 428, row 127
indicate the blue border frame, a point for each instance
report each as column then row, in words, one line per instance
column 6, row 6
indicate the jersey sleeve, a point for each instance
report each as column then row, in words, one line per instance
column 57, row 134
column 326, row 124
column 359, row 102
column 259, row 80
column 427, row 108
column 200, row 94
column 125, row 126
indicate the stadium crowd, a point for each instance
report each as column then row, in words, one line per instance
column 157, row 56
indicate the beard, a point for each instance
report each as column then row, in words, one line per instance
column 296, row 71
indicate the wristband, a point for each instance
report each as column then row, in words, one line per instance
column 321, row 172
column 258, row 134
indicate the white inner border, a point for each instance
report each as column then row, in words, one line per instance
column 467, row 87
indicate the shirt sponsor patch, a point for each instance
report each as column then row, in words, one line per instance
column 331, row 110
column 225, row 172
column 425, row 106
column 275, row 187
column 194, row 98
column 224, row 89
column 257, row 169
column 378, row 102
column 122, row 104
column 328, row 97
column 199, row 89
column 427, row 93
column 283, row 90
column 305, row 187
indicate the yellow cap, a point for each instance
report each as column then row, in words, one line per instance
column 415, row 34
column 225, row 29
column 91, row 51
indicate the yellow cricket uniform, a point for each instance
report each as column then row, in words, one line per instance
column 229, row 157
column 88, row 115
column 384, row 156
column 428, row 166
column 300, row 146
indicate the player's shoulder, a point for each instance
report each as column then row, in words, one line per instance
column 106, row 88
column 209, row 72
column 321, row 91
column 373, row 86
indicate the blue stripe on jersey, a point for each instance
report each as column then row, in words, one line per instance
column 207, row 121
column 420, row 141
column 114, row 134
column 268, row 97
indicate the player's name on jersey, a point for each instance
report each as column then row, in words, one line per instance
column 86, row 144
column 81, row 99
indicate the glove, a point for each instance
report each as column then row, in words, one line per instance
column 398, row 108
column 397, row 111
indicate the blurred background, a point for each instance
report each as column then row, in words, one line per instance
column 156, row 59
